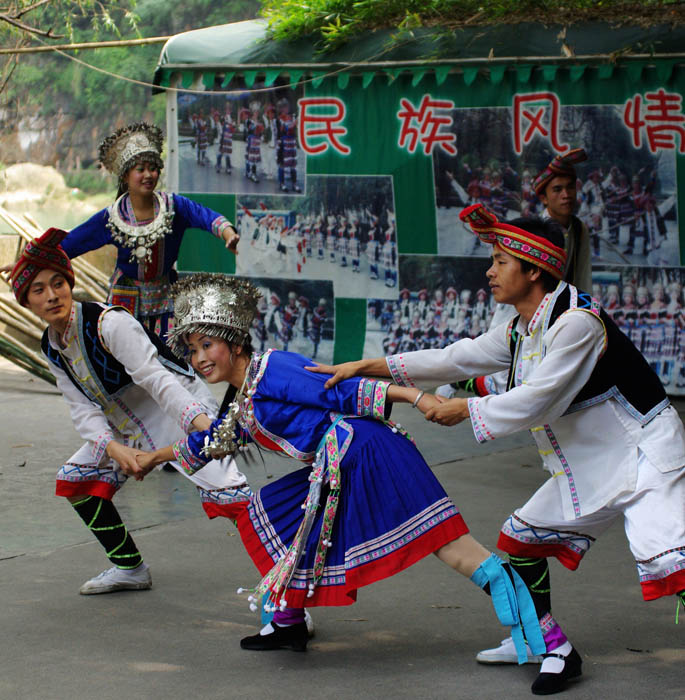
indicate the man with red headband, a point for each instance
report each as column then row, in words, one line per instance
column 600, row 417
column 555, row 186
column 126, row 393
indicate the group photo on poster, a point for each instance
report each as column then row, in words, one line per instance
column 295, row 315
column 648, row 305
column 343, row 230
column 626, row 196
column 441, row 300
column 240, row 142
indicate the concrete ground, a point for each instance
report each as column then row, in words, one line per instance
column 413, row 636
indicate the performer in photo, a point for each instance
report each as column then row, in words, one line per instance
column 600, row 417
column 555, row 186
column 225, row 127
column 365, row 506
column 286, row 148
column 253, row 143
column 200, row 129
column 126, row 392
column 146, row 226
column 317, row 321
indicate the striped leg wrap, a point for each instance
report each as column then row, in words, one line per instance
column 535, row 574
column 102, row 519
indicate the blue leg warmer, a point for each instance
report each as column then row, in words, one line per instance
column 513, row 605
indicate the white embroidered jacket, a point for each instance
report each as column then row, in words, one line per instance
column 591, row 453
column 154, row 411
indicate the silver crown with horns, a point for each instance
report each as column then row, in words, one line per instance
column 213, row 304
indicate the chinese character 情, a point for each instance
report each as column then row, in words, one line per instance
column 661, row 119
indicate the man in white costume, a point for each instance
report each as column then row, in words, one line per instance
column 603, row 424
column 126, row 393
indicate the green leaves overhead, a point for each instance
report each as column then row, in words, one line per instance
column 334, row 22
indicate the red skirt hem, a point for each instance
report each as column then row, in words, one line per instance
column 69, row 489
column 346, row 594
column 670, row 585
column 566, row 557
column 228, row 510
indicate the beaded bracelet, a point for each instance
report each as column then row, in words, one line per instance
column 417, row 399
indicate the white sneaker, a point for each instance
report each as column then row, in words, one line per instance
column 505, row 653
column 309, row 622
column 116, row 579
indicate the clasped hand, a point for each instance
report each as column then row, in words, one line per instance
column 132, row 461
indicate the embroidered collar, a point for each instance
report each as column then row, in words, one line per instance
column 538, row 321
column 140, row 238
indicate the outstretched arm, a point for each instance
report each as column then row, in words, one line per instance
column 375, row 367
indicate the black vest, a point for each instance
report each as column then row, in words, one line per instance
column 621, row 372
column 105, row 369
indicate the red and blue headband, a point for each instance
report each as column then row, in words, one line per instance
column 514, row 240
column 561, row 164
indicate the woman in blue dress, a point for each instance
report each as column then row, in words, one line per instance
column 365, row 506
column 146, row 226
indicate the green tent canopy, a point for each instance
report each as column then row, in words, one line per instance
column 231, row 49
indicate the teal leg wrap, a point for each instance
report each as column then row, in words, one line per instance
column 513, row 605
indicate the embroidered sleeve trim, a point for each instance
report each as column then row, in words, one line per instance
column 379, row 396
column 219, row 225
column 480, row 429
column 398, row 370
column 189, row 414
column 189, row 462
column 100, row 444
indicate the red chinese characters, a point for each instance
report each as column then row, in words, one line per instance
column 320, row 126
column 659, row 115
column 537, row 113
column 424, row 125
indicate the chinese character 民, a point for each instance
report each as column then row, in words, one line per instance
column 662, row 119
column 528, row 122
column 424, row 124
column 317, row 127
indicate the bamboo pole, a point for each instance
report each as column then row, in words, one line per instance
column 25, row 358
column 11, row 321
column 93, row 288
column 22, row 314
column 88, row 45
column 32, row 354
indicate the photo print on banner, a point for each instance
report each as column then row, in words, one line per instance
column 294, row 315
column 626, row 195
column 342, row 230
column 648, row 305
column 441, row 300
column 240, row 143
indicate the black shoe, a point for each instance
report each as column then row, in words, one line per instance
column 293, row 637
column 550, row 683
column 169, row 468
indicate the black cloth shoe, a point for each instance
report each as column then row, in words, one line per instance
column 293, row 637
column 550, row 683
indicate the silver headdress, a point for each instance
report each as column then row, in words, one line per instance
column 214, row 304
column 120, row 151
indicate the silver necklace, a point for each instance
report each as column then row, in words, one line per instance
column 141, row 238
column 223, row 440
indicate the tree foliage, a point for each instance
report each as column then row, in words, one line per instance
column 334, row 22
column 52, row 86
